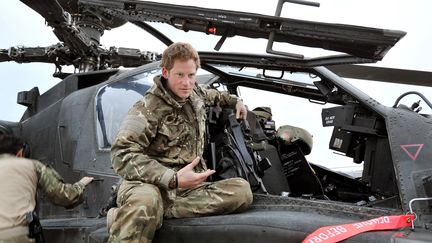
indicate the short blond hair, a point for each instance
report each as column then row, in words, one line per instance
column 179, row 51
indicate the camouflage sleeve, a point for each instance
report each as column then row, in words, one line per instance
column 212, row 96
column 134, row 137
column 58, row 192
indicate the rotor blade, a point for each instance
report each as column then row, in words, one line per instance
column 4, row 55
column 359, row 41
column 60, row 55
column 129, row 57
column 57, row 54
column 390, row 75
column 24, row 55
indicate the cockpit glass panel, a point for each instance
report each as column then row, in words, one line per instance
column 113, row 102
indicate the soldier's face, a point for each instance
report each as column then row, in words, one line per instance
column 181, row 78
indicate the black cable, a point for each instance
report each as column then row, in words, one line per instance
column 412, row 92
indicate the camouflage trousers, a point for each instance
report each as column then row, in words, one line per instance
column 142, row 206
column 18, row 239
column 16, row 234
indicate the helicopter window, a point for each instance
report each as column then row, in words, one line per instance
column 113, row 102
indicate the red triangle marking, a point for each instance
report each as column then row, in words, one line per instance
column 406, row 146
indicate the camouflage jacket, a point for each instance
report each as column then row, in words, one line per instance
column 58, row 192
column 19, row 180
column 157, row 137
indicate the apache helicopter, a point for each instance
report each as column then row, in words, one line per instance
column 71, row 126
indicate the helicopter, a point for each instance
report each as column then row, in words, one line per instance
column 79, row 116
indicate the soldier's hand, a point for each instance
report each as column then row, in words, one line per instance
column 187, row 178
column 86, row 180
column 241, row 111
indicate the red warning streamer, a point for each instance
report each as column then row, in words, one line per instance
column 341, row 232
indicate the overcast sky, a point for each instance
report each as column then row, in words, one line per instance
column 22, row 26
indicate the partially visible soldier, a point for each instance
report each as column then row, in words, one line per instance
column 19, row 178
column 157, row 152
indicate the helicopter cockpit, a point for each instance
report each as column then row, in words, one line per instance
column 114, row 99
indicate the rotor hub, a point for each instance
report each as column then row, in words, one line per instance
column 91, row 25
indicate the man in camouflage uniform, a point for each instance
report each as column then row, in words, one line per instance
column 157, row 152
column 19, row 179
